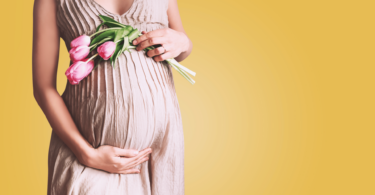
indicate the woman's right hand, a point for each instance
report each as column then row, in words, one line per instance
column 116, row 160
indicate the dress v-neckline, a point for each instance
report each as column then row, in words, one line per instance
column 111, row 13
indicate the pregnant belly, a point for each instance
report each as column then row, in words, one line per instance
column 133, row 122
column 128, row 106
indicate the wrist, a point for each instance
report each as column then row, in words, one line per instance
column 186, row 42
column 85, row 154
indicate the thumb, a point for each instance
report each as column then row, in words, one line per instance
column 126, row 152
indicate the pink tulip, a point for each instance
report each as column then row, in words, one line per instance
column 82, row 40
column 79, row 70
column 106, row 50
column 79, row 53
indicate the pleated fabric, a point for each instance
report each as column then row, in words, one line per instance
column 133, row 105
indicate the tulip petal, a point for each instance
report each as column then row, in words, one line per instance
column 79, row 70
column 82, row 40
column 79, row 53
column 106, row 50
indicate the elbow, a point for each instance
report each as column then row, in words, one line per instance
column 36, row 95
column 39, row 94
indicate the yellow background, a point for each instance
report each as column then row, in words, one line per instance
column 283, row 102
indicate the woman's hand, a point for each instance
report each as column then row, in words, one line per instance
column 173, row 43
column 116, row 160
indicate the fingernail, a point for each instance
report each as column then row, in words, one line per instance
column 136, row 152
column 134, row 42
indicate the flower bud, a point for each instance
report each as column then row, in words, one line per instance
column 79, row 70
column 107, row 49
column 79, row 53
column 82, row 40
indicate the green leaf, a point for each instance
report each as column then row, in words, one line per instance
column 114, row 63
column 114, row 24
column 126, row 45
column 108, row 33
column 102, row 41
column 128, row 30
column 98, row 28
column 111, row 22
column 119, row 34
column 134, row 34
column 115, row 54
column 107, row 19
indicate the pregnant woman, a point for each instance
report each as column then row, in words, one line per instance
column 119, row 131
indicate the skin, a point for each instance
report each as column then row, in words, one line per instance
column 45, row 55
column 176, row 44
column 174, row 40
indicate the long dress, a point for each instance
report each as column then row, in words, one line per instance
column 133, row 106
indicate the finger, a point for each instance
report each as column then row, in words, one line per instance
column 137, row 161
column 126, row 152
column 154, row 33
column 168, row 47
column 156, row 51
column 147, row 149
column 144, row 32
column 130, row 171
column 151, row 41
column 143, row 160
column 127, row 161
column 163, row 57
column 142, row 155
column 140, row 161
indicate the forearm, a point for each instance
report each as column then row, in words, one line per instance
column 185, row 54
column 62, row 123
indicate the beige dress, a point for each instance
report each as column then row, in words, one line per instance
column 132, row 106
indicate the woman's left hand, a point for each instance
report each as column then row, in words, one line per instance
column 173, row 43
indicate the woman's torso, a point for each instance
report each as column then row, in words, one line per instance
column 77, row 17
column 127, row 106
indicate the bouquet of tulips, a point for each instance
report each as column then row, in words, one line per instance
column 109, row 43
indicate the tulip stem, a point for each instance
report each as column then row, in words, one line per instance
column 92, row 57
column 103, row 31
column 93, row 45
column 102, row 41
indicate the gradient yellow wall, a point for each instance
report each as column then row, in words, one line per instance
column 283, row 102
